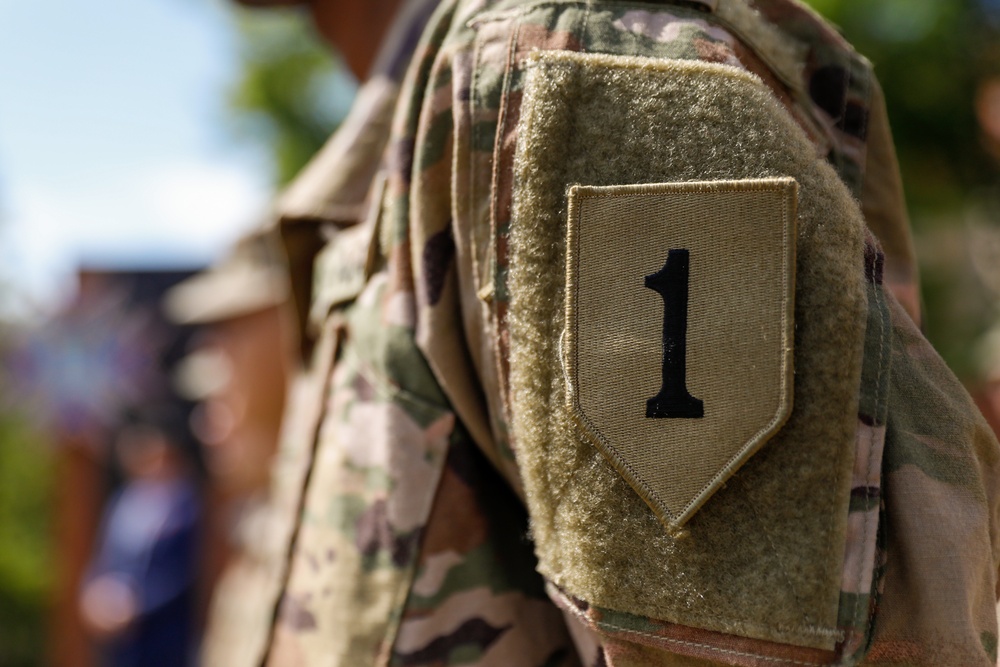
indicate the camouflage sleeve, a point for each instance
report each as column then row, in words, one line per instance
column 938, row 598
column 457, row 511
column 832, row 97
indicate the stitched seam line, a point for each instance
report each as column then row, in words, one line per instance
column 500, row 323
column 572, row 246
column 876, row 295
column 610, row 626
column 473, row 181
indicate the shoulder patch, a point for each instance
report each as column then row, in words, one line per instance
column 679, row 328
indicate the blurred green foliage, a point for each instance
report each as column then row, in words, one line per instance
column 291, row 92
column 25, row 564
column 931, row 56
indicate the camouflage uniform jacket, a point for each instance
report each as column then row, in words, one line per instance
column 443, row 507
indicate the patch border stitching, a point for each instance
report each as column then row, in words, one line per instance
column 574, row 195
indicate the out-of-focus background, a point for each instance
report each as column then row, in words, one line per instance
column 140, row 138
column 138, row 141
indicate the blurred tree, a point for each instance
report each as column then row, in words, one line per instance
column 25, row 540
column 25, row 504
column 932, row 57
column 291, row 92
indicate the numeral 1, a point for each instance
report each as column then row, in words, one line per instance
column 671, row 283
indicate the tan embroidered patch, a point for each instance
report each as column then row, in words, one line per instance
column 679, row 329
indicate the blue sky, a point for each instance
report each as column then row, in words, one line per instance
column 113, row 144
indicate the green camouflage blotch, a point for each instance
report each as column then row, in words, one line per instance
column 483, row 134
column 437, row 135
column 862, row 502
column 989, row 641
column 932, row 461
column 619, row 620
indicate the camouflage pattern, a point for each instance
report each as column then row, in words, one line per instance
column 239, row 624
column 864, row 559
column 478, row 599
column 240, row 612
column 379, row 455
column 937, row 605
column 411, row 545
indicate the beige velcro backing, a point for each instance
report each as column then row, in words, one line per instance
column 763, row 558
column 679, row 369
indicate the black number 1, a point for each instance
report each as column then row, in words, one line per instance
column 671, row 283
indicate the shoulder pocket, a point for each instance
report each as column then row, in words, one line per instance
column 380, row 446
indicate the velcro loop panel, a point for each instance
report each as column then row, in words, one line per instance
column 678, row 343
column 763, row 557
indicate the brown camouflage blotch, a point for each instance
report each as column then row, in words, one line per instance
column 294, row 613
column 438, row 258
column 714, row 52
column 455, row 527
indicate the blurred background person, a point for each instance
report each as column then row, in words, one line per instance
column 138, row 598
column 81, row 376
